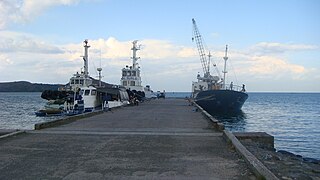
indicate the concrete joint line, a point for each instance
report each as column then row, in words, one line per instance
column 129, row 133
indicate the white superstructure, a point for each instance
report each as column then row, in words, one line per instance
column 82, row 84
column 131, row 74
column 131, row 78
column 81, row 79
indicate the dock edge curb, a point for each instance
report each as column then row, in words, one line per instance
column 65, row 120
column 215, row 122
column 260, row 170
column 12, row 134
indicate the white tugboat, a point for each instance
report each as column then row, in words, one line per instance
column 84, row 93
column 131, row 78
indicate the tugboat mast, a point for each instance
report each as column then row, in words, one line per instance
column 99, row 69
column 225, row 67
column 134, row 54
column 85, row 58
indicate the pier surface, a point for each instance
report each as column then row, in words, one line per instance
column 159, row 139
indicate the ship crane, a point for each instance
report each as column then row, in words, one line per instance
column 203, row 57
column 210, row 92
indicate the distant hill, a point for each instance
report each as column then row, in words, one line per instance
column 24, row 86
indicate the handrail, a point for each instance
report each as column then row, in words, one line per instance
column 235, row 87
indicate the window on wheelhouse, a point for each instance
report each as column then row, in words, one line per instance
column 93, row 92
column 77, row 81
column 81, row 81
column 132, row 83
column 133, row 73
column 72, row 81
column 87, row 92
column 124, row 83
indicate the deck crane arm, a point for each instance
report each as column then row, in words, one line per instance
column 201, row 50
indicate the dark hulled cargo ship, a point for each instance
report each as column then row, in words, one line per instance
column 211, row 92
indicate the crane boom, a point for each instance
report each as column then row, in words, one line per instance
column 203, row 58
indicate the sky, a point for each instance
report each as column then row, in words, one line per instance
column 273, row 46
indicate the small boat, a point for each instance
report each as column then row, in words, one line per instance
column 211, row 92
column 161, row 95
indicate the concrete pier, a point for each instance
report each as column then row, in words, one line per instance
column 159, row 139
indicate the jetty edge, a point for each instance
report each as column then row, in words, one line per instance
column 260, row 170
column 66, row 120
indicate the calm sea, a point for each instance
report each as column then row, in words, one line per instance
column 17, row 110
column 292, row 118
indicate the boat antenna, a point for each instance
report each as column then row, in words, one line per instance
column 225, row 67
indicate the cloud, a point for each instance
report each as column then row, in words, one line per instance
column 156, row 50
column 164, row 64
column 161, row 49
column 276, row 48
column 262, row 71
column 20, row 42
column 22, row 11
column 163, row 61
column 273, row 66
column 4, row 61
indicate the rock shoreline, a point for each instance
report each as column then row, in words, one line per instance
column 285, row 165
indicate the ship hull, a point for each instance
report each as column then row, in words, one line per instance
column 221, row 101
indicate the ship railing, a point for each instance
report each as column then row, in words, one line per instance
column 235, row 88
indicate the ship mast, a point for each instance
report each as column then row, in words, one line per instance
column 225, row 67
column 99, row 69
column 209, row 59
column 85, row 58
column 134, row 54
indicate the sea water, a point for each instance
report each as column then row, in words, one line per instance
column 17, row 110
column 292, row 118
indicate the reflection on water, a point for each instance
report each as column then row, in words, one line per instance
column 235, row 121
